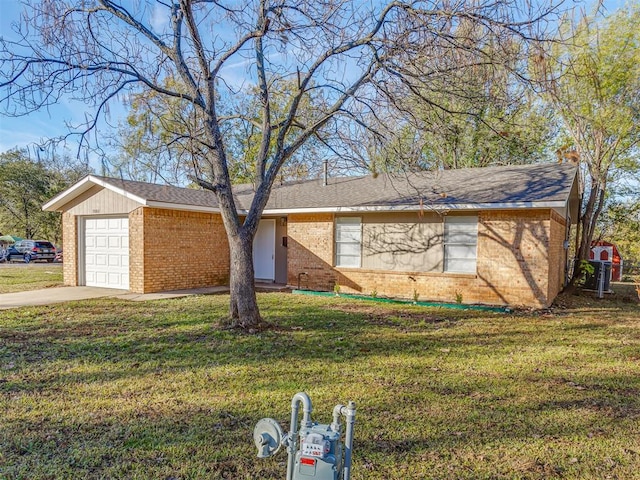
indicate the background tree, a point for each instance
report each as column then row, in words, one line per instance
column 593, row 83
column 466, row 99
column 620, row 224
column 98, row 50
column 154, row 142
column 26, row 185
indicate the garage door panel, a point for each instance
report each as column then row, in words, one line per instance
column 107, row 252
column 114, row 223
column 115, row 260
column 97, row 224
column 115, row 278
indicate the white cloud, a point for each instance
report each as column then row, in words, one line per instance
column 159, row 18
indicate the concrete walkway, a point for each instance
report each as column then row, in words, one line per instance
column 48, row 296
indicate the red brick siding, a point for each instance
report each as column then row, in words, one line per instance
column 513, row 250
column 512, row 267
column 310, row 250
column 168, row 250
column 70, row 248
column 136, row 250
column 557, row 255
column 180, row 250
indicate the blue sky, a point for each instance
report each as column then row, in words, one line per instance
column 23, row 131
column 35, row 128
column 38, row 126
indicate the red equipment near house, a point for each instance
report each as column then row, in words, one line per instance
column 607, row 252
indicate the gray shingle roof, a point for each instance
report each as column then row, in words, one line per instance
column 491, row 185
column 521, row 185
column 164, row 193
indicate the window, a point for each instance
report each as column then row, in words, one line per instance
column 348, row 242
column 460, row 244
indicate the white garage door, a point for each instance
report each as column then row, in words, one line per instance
column 107, row 252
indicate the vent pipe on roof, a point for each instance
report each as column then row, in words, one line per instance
column 325, row 173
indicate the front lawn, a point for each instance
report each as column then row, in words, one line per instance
column 20, row 278
column 115, row 389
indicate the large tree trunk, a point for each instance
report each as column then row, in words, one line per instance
column 243, row 306
column 588, row 222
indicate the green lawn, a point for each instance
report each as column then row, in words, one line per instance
column 116, row 389
column 20, row 278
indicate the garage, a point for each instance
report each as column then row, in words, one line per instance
column 146, row 238
column 106, row 252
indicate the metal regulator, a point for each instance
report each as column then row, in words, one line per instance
column 314, row 450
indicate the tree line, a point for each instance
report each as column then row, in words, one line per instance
column 26, row 184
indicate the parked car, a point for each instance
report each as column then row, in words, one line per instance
column 31, row 251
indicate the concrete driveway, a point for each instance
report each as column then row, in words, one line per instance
column 48, row 296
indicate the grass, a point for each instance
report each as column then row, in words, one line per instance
column 115, row 389
column 20, row 278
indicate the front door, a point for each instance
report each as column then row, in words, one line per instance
column 264, row 248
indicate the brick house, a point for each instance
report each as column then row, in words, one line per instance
column 495, row 235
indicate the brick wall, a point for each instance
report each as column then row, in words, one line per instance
column 310, row 251
column 513, row 252
column 557, row 254
column 70, row 249
column 174, row 249
column 136, row 250
column 168, row 250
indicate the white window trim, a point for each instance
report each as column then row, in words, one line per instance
column 446, row 244
column 336, row 242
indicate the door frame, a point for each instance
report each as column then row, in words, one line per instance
column 272, row 229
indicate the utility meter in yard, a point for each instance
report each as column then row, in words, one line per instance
column 314, row 450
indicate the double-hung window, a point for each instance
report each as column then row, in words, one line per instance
column 460, row 244
column 348, row 242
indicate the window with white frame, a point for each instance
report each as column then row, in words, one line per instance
column 348, row 242
column 460, row 244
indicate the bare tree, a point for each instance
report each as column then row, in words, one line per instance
column 98, row 50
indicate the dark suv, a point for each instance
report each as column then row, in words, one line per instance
column 32, row 250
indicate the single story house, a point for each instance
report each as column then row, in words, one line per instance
column 495, row 235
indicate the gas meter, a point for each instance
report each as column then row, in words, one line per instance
column 314, row 450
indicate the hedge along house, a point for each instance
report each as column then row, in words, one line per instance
column 495, row 235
